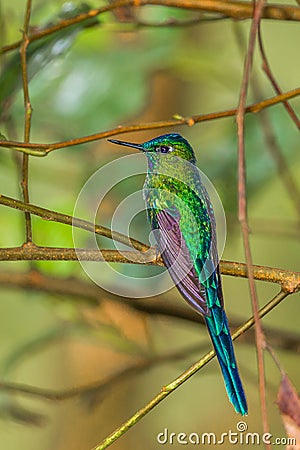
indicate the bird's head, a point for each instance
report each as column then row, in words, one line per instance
column 172, row 144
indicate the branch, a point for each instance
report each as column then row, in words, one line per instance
column 27, row 117
column 230, row 9
column 171, row 387
column 54, row 216
column 283, row 169
column 290, row 281
column 37, row 149
column 267, row 69
column 287, row 279
column 242, row 209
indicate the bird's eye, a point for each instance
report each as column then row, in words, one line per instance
column 165, row 149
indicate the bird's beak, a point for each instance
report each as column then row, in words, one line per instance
column 127, row 144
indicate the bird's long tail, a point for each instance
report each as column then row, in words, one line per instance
column 218, row 328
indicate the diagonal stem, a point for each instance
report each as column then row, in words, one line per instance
column 267, row 69
column 27, row 119
column 66, row 219
column 243, row 219
column 171, row 387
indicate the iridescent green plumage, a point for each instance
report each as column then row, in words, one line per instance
column 182, row 217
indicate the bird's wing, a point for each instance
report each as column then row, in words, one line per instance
column 177, row 259
column 211, row 259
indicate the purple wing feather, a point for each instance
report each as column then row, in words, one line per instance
column 177, row 259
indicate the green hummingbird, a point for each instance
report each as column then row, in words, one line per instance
column 182, row 219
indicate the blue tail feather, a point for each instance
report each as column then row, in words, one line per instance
column 224, row 349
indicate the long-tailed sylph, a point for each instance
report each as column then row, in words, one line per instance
column 182, row 219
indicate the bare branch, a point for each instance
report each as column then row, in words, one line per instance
column 290, row 281
column 27, row 117
column 242, row 206
column 267, row 69
column 44, row 149
column 54, row 216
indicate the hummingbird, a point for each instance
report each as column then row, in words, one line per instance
column 182, row 219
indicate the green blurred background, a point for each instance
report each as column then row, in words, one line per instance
column 90, row 79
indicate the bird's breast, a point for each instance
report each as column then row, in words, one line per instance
column 180, row 199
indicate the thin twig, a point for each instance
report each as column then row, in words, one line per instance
column 27, row 118
column 171, row 387
column 40, row 149
column 242, row 206
column 272, row 145
column 283, row 277
column 275, row 358
column 270, row 228
column 233, row 9
column 283, row 169
column 267, row 69
column 54, row 216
